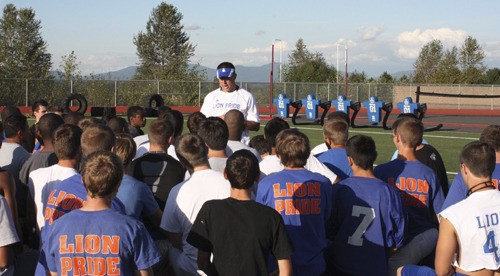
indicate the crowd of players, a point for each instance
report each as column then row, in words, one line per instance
column 82, row 195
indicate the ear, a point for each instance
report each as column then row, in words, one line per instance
column 225, row 173
column 349, row 159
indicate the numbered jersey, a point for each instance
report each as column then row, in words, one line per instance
column 368, row 220
column 476, row 220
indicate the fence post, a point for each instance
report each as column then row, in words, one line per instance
column 328, row 89
column 199, row 93
column 294, row 90
column 459, row 93
column 115, row 91
column 492, row 94
column 158, row 87
column 26, row 92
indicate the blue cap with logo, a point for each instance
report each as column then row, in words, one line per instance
column 225, row 72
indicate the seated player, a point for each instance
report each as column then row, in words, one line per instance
column 368, row 215
column 214, row 131
column 420, row 190
column 467, row 242
column 95, row 239
column 239, row 224
column 458, row 189
column 304, row 200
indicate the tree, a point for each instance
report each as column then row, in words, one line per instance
column 385, row 78
column 357, row 77
column 23, row 52
column 164, row 49
column 70, row 67
column 471, row 61
column 304, row 66
column 427, row 62
column 492, row 76
column 448, row 71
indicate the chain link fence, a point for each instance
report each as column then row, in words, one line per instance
column 23, row 92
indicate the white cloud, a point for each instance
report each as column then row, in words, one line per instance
column 492, row 49
column 370, row 33
column 192, row 27
column 254, row 50
column 410, row 43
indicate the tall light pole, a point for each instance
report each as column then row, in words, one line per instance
column 281, row 55
column 345, row 59
column 271, row 79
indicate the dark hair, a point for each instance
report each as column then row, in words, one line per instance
column 73, row 117
column 411, row 131
column 67, row 141
column 176, row 119
column 56, row 108
column 272, row 128
column 97, row 137
column 292, row 148
column 362, row 150
column 260, row 144
column 194, row 120
column 133, row 110
column 36, row 105
column 8, row 111
column 226, row 64
column 13, row 124
column 118, row 125
column 491, row 135
column 102, row 173
column 86, row 122
column 338, row 115
column 242, row 169
column 235, row 121
column 191, row 150
column 48, row 124
column 479, row 157
column 159, row 132
column 214, row 132
column 162, row 109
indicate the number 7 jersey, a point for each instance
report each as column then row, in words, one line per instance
column 368, row 220
column 476, row 220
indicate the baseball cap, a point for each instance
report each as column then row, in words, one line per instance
column 225, row 72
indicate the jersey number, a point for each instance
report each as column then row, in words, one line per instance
column 356, row 238
column 490, row 246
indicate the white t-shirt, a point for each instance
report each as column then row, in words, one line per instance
column 41, row 183
column 271, row 164
column 476, row 220
column 8, row 234
column 233, row 146
column 218, row 102
column 319, row 149
column 183, row 204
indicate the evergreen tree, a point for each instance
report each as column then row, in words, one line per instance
column 304, row 66
column 471, row 61
column 492, row 76
column 23, row 52
column 427, row 62
column 70, row 67
column 448, row 71
column 164, row 49
column 357, row 77
column 385, row 78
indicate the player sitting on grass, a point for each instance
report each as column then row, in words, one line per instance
column 468, row 244
column 239, row 224
column 95, row 239
column 368, row 215
column 304, row 200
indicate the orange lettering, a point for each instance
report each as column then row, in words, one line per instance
column 290, row 208
column 79, row 243
column 64, row 248
column 48, row 213
column 313, row 189
column 52, row 199
column 289, row 189
column 68, row 202
column 423, row 199
column 113, row 263
column 99, row 266
column 495, row 183
column 79, row 266
column 300, row 190
column 423, row 186
column 411, row 184
column 65, row 265
column 279, row 206
column 277, row 191
column 92, row 244
column 305, row 206
column 315, row 203
column 402, row 183
column 90, row 265
column 110, row 244
column 60, row 197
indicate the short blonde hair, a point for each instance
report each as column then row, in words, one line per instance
column 292, row 147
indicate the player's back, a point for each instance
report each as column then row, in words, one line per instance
column 420, row 191
column 368, row 220
column 336, row 160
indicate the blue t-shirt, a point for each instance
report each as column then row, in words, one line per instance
column 100, row 243
column 137, row 198
column 420, row 189
column 368, row 219
column 458, row 189
column 336, row 160
column 304, row 200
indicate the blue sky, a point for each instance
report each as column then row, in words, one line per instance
column 381, row 35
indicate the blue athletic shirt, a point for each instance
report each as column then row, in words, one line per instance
column 304, row 200
column 368, row 220
column 336, row 160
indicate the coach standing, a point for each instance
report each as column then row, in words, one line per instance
column 230, row 96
